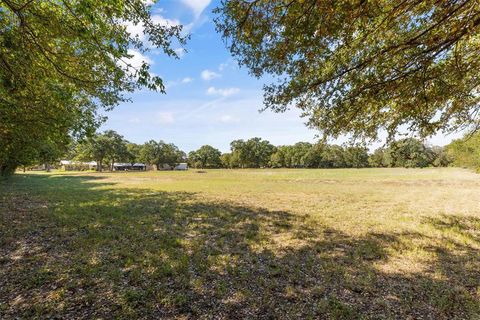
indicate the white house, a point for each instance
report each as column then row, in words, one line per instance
column 69, row 165
column 181, row 166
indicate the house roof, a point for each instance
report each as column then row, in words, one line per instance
column 68, row 162
column 122, row 164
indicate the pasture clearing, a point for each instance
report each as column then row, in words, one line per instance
column 334, row 243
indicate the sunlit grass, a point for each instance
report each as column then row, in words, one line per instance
column 347, row 243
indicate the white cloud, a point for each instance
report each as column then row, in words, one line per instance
column 164, row 118
column 212, row 91
column 137, row 58
column 137, row 30
column 159, row 19
column 208, row 75
column 228, row 119
column 197, row 6
column 175, row 83
column 227, row 65
column 149, row 2
column 180, row 52
column 170, row 84
column 222, row 66
column 134, row 120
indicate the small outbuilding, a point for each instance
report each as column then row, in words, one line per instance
column 69, row 165
column 129, row 166
column 181, row 166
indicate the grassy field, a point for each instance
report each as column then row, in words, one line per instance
column 258, row 244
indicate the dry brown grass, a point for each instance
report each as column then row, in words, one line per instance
column 370, row 243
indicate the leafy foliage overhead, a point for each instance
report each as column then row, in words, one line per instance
column 79, row 44
column 62, row 60
column 357, row 66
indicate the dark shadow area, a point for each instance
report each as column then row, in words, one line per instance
column 76, row 247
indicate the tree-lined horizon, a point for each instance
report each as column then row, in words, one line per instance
column 109, row 147
column 351, row 67
column 247, row 241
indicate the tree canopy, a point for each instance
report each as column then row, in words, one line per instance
column 252, row 153
column 205, row 157
column 160, row 153
column 359, row 67
column 62, row 60
column 409, row 153
column 109, row 146
column 465, row 152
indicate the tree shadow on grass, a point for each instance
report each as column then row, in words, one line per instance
column 83, row 249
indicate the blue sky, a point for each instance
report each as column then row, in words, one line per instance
column 209, row 100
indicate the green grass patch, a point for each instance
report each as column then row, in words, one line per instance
column 329, row 244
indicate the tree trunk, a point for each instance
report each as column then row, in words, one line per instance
column 7, row 170
column 99, row 166
column 47, row 167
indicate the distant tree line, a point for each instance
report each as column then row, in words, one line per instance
column 465, row 152
column 109, row 147
column 256, row 153
column 409, row 153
